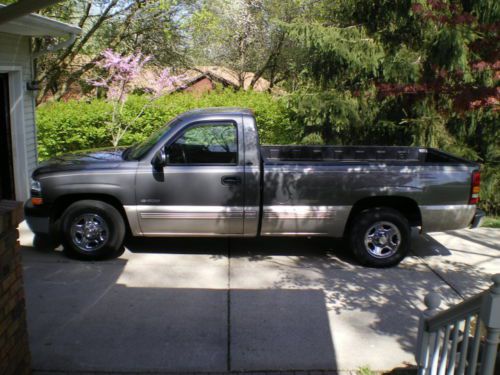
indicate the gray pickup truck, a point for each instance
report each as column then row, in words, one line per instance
column 205, row 174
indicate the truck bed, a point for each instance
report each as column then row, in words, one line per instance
column 328, row 154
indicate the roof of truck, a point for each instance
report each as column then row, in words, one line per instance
column 219, row 111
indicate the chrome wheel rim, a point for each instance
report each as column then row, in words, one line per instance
column 382, row 239
column 89, row 232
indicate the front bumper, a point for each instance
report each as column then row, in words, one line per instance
column 477, row 221
column 38, row 217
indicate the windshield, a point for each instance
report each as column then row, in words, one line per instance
column 138, row 150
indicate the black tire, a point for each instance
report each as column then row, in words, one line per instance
column 108, row 227
column 391, row 249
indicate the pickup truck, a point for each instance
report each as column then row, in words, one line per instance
column 205, row 174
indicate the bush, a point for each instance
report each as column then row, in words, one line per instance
column 490, row 188
column 272, row 121
column 77, row 125
column 312, row 139
column 71, row 126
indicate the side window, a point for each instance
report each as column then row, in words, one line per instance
column 206, row 144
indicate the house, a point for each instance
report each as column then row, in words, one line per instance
column 197, row 80
column 18, row 153
column 204, row 79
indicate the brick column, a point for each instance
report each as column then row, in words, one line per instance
column 14, row 349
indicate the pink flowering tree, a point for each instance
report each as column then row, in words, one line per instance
column 122, row 75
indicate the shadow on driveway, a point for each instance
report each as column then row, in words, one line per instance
column 255, row 248
column 188, row 304
column 108, row 316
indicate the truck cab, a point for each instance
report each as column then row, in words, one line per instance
column 201, row 178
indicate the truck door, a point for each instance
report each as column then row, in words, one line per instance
column 200, row 189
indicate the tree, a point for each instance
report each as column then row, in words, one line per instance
column 123, row 25
column 414, row 66
column 120, row 75
column 244, row 35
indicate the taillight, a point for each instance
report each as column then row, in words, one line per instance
column 475, row 188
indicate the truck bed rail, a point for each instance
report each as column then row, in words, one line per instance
column 356, row 154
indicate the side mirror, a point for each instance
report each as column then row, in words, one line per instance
column 160, row 159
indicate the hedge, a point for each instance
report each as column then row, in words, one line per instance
column 69, row 126
column 76, row 125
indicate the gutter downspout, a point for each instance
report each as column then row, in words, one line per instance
column 57, row 47
column 71, row 39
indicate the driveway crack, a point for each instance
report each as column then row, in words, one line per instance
column 440, row 276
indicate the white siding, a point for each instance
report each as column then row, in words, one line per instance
column 15, row 51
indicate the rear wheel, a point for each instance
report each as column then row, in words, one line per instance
column 92, row 230
column 380, row 237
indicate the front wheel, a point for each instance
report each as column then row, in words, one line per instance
column 380, row 237
column 92, row 230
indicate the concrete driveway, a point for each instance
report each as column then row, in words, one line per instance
column 242, row 304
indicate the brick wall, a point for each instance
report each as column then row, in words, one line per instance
column 14, row 349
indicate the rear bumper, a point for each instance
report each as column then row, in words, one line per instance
column 478, row 218
column 38, row 217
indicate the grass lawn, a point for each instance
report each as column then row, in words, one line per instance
column 491, row 222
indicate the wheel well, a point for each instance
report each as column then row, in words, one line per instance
column 65, row 201
column 406, row 206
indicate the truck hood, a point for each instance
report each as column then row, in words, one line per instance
column 94, row 159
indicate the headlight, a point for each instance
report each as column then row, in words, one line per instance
column 36, row 188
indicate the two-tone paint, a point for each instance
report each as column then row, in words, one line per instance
column 267, row 196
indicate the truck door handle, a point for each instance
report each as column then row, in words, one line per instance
column 230, row 180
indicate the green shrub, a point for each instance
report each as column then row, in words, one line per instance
column 490, row 189
column 76, row 125
column 312, row 139
column 63, row 127
column 273, row 124
column 491, row 222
